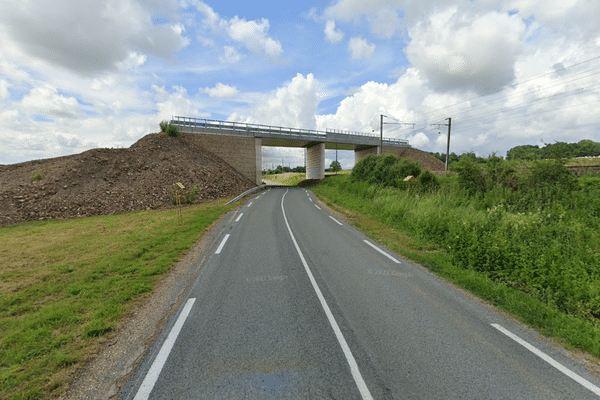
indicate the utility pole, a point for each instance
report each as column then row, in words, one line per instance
column 336, row 161
column 449, row 124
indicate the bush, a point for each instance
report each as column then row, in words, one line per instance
column 163, row 126
column 191, row 196
column 470, row 176
column 172, row 130
column 404, row 168
column 364, row 168
column 428, row 181
column 382, row 172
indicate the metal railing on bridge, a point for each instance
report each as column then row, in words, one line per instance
column 246, row 129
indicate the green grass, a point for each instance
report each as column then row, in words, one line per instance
column 543, row 267
column 286, row 178
column 588, row 162
column 65, row 285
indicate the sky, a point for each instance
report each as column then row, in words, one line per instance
column 76, row 75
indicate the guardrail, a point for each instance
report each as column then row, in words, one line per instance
column 246, row 129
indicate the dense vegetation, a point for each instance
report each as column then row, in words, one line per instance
column 281, row 170
column 532, row 226
column 558, row 150
column 585, row 148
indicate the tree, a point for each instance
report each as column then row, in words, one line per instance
column 335, row 166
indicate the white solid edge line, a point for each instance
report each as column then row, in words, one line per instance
column 238, row 218
column 382, row 252
column 152, row 376
column 339, row 223
column 317, row 206
column 358, row 379
column 582, row 381
column 222, row 244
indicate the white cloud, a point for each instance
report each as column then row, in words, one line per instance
column 45, row 100
column 293, row 105
column 221, row 90
column 4, row 93
column 251, row 34
column 385, row 23
column 571, row 17
column 87, row 37
column 360, row 111
column 176, row 103
column 231, row 56
column 360, row 48
column 454, row 50
column 333, row 35
column 419, row 140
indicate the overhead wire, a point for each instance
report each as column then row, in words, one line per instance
column 562, row 81
column 514, row 85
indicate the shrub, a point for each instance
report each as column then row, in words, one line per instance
column 404, row 168
column 382, row 170
column 364, row 168
column 191, row 196
column 163, row 126
column 172, row 130
column 428, row 181
column 36, row 177
column 470, row 176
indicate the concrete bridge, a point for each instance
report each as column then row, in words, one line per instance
column 240, row 144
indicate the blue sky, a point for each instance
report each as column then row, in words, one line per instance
column 103, row 73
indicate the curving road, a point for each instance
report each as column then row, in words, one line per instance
column 294, row 304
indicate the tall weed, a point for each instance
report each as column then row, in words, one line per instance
column 541, row 238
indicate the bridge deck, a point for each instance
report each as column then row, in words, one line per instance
column 287, row 137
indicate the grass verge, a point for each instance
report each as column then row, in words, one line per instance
column 65, row 285
column 286, row 178
column 571, row 331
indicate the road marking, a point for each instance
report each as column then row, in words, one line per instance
column 317, row 206
column 339, row 223
column 152, row 376
column 358, row 379
column 250, row 204
column 382, row 252
column 310, row 199
column 238, row 218
column 222, row 244
column 582, row 381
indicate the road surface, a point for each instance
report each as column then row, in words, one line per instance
column 295, row 304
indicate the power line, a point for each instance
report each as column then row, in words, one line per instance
column 514, row 85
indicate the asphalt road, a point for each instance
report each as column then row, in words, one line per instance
column 294, row 304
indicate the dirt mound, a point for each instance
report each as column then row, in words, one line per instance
column 426, row 160
column 112, row 181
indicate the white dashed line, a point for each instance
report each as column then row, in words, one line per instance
column 222, row 244
column 382, row 252
column 317, row 206
column 582, row 381
column 250, row 204
column 339, row 223
column 152, row 376
column 238, row 218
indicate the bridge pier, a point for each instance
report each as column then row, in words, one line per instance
column 315, row 161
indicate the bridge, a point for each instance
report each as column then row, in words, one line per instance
column 239, row 144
